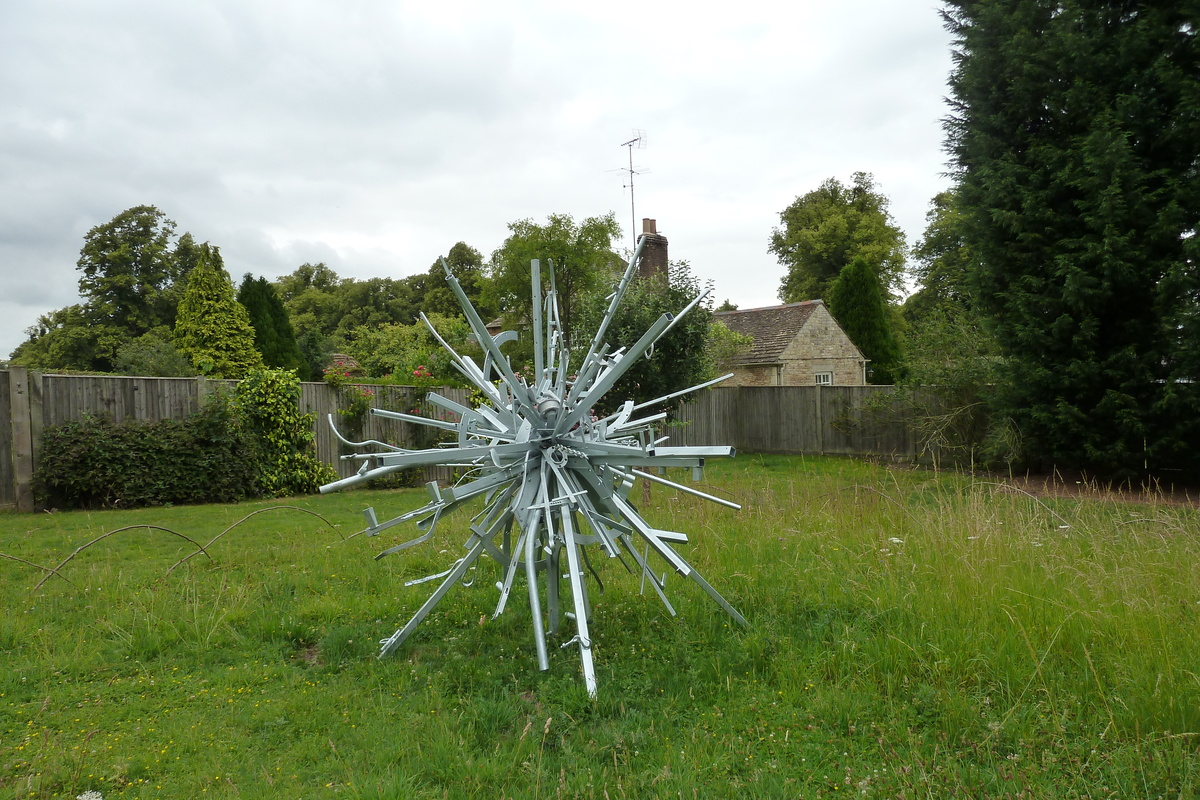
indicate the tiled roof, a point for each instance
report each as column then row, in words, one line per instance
column 773, row 328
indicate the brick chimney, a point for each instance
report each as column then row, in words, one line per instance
column 654, row 253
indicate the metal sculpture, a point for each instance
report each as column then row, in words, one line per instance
column 545, row 463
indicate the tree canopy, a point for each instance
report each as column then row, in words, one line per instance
column 582, row 254
column 943, row 263
column 467, row 265
column 1075, row 136
column 680, row 359
column 131, row 276
column 128, row 268
column 824, row 230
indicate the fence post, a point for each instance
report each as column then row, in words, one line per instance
column 201, row 391
column 820, row 422
column 25, row 404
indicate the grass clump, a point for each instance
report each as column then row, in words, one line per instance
column 913, row 634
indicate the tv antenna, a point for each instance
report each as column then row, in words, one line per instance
column 637, row 142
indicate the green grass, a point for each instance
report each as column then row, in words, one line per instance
column 912, row 634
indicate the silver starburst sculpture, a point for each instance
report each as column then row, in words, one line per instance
column 548, row 469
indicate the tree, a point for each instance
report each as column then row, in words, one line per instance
column 130, row 280
column 273, row 334
column 943, row 262
column 1075, row 137
column 396, row 351
column 950, row 358
column 582, row 256
column 373, row 302
column 726, row 347
column 829, row 227
column 127, row 269
column 153, row 354
column 212, row 327
column 467, row 265
column 680, row 359
column 856, row 302
column 69, row 339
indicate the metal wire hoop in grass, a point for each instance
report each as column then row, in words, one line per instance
column 104, row 536
column 200, row 548
column 203, row 549
column 39, row 566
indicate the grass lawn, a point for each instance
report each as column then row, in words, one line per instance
column 912, row 635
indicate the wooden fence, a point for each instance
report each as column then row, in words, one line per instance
column 774, row 419
column 837, row 420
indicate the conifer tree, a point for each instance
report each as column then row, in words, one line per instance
column 273, row 333
column 211, row 327
column 856, row 302
column 1076, row 137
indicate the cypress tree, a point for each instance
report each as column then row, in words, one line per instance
column 1075, row 136
column 211, row 327
column 856, row 302
column 273, row 334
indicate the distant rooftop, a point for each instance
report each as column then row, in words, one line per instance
column 772, row 327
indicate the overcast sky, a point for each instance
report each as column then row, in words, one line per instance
column 374, row 135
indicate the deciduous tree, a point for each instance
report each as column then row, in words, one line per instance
column 827, row 228
column 943, row 263
column 131, row 277
column 127, row 267
column 467, row 265
column 680, row 359
column 582, row 254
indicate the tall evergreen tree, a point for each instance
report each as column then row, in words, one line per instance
column 1076, row 137
column 856, row 302
column 212, row 327
column 273, row 334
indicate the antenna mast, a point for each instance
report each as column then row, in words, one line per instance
column 638, row 141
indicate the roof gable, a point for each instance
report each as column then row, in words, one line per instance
column 773, row 328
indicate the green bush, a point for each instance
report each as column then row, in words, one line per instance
column 96, row 463
column 253, row 444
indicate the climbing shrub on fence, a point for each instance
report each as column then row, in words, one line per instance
column 254, row 443
column 269, row 400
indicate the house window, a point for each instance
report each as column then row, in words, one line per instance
column 824, row 379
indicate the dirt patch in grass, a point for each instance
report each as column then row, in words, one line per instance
column 311, row 655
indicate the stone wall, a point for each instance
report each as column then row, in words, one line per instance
column 822, row 346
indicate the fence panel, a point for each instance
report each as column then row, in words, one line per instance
column 859, row 421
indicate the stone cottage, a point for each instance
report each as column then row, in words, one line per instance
column 797, row 344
